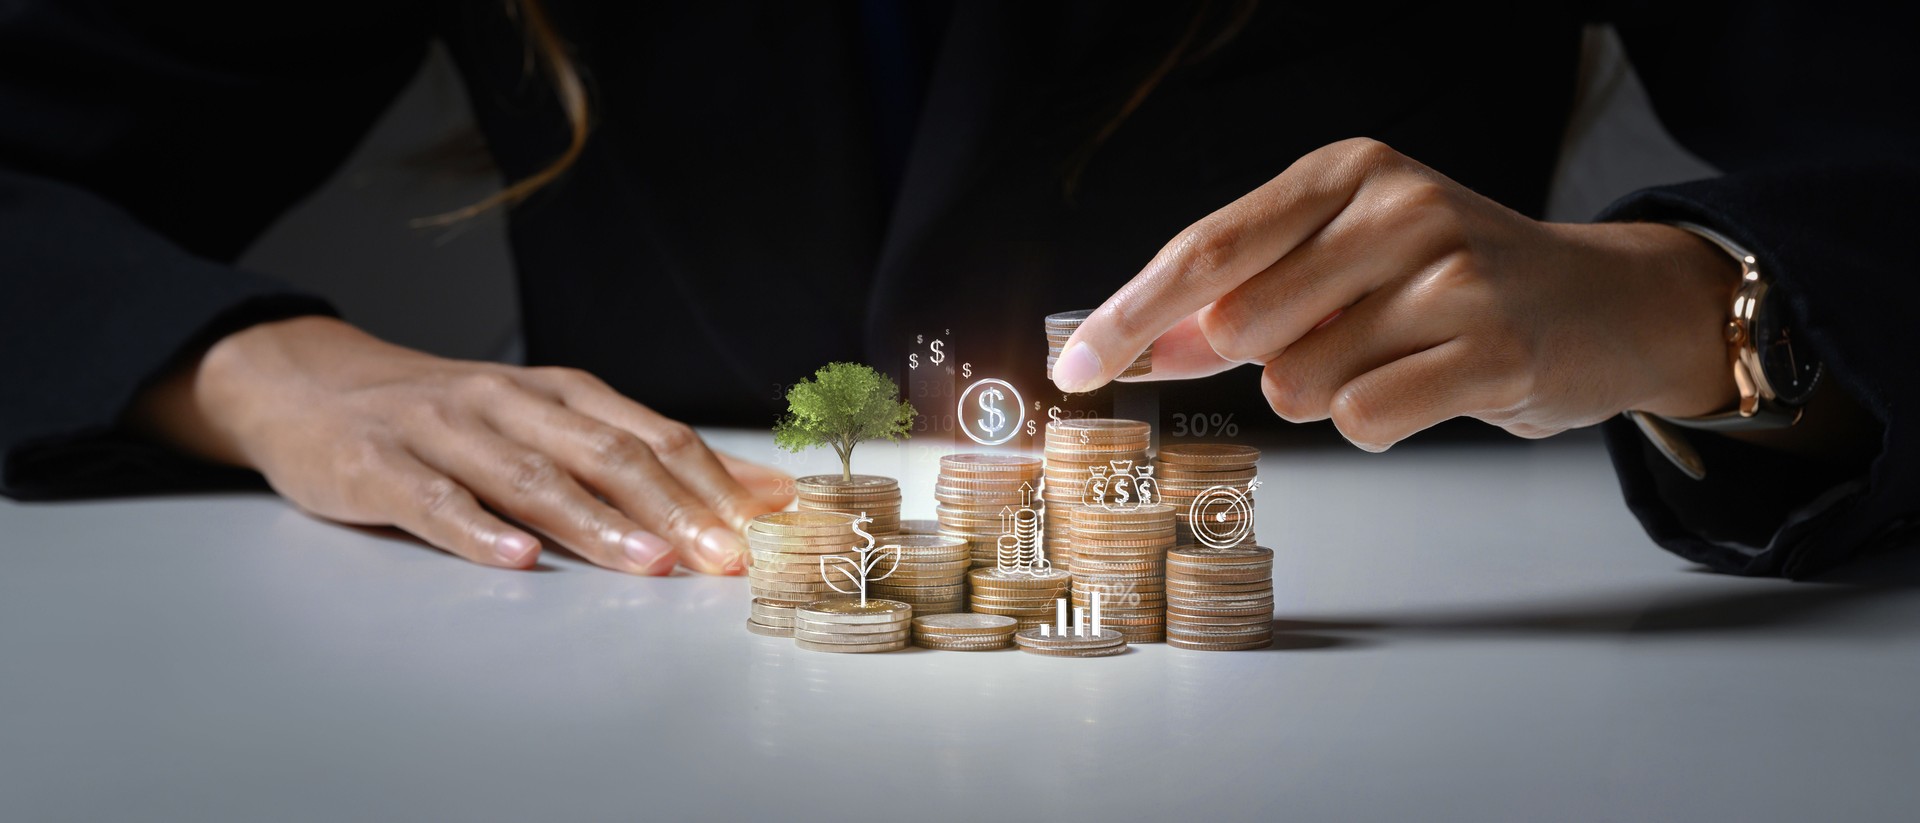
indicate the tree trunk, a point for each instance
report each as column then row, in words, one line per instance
column 845, row 450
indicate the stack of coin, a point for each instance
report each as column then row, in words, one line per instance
column 786, row 548
column 849, row 626
column 1074, row 447
column 1060, row 327
column 980, row 496
column 1122, row 554
column 1027, row 598
column 1220, row 599
column 1187, row 471
column 919, row 527
column 931, row 576
column 872, row 495
column 963, row 632
column 1105, row 644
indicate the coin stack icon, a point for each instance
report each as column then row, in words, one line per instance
column 786, row 548
column 1123, row 554
column 1105, row 644
column 963, row 632
column 1025, row 597
column 875, row 496
column 1219, row 478
column 978, row 495
column 931, row 576
column 1220, row 599
column 1075, row 447
column 850, row 626
column 1060, row 327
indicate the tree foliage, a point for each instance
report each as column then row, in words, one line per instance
column 843, row 405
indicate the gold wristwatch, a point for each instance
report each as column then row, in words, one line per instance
column 1774, row 373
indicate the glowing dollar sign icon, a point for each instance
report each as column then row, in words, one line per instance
column 994, row 417
column 1053, row 412
column 1120, row 496
column 966, row 369
column 1031, row 428
column 938, row 356
column 913, row 361
column 1086, row 436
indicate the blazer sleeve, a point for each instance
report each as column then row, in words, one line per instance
column 1807, row 112
column 143, row 146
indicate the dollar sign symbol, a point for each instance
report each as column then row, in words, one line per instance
column 1053, row 413
column 966, row 369
column 1120, row 496
column 1085, row 436
column 938, row 356
column 863, row 518
column 1030, row 428
column 913, row 361
column 994, row 418
column 919, row 338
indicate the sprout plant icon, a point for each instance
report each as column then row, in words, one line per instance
column 859, row 572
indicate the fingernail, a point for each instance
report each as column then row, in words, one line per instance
column 1078, row 369
column 724, row 548
column 1376, row 448
column 512, row 549
column 646, row 549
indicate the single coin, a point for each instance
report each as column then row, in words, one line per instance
column 1208, row 454
column 797, row 523
column 768, row 631
column 847, row 610
column 816, row 636
column 1201, row 646
column 965, row 623
column 1031, row 637
column 834, row 481
column 850, row 648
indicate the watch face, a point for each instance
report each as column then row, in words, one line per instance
column 1790, row 367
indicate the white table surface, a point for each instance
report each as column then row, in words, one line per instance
column 1467, row 633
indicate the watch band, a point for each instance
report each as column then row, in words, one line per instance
column 1757, row 409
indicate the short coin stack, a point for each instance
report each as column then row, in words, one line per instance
column 849, row 626
column 1187, row 471
column 875, row 496
column 1060, row 327
column 1027, row 598
column 963, row 632
column 786, row 548
column 1074, row 447
column 974, row 489
column 1105, row 644
column 931, row 576
column 1122, row 554
column 1220, row 599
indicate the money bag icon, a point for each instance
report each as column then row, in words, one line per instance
column 1145, row 487
column 1096, row 493
column 1121, row 487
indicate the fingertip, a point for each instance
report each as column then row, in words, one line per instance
column 1078, row 369
column 650, row 554
column 516, row 549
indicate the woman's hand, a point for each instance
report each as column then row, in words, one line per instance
column 361, row 431
column 1385, row 296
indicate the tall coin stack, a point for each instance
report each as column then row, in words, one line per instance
column 1187, row 471
column 1123, row 555
column 1074, row 447
column 1060, row 327
column 931, row 576
column 876, row 497
column 1027, row 598
column 786, row 548
column 847, row 625
column 1220, row 599
column 979, row 495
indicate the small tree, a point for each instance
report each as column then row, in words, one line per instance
column 843, row 405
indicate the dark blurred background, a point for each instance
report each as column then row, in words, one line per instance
column 450, row 290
